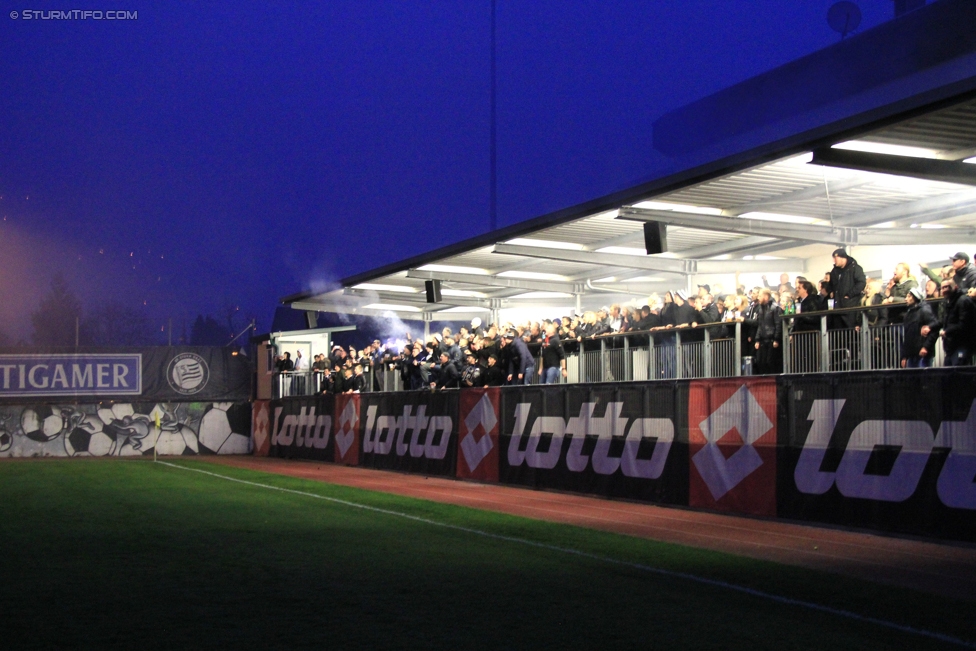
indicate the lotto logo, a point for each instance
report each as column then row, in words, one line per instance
column 478, row 447
column 605, row 428
column 914, row 441
column 732, row 441
column 347, row 429
column 261, row 428
column 305, row 429
column 411, row 433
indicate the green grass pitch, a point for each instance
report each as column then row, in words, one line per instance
column 131, row 554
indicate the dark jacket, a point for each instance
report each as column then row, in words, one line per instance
column 959, row 328
column 448, row 377
column 552, row 352
column 966, row 277
column 803, row 323
column 494, row 376
column 473, row 375
column 358, row 383
column 766, row 322
column 847, row 284
column 898, row 294
column 522, row 359
column 915, row 317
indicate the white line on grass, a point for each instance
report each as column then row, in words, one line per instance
column 606, row 559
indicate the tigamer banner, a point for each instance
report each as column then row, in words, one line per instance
column 156, row 373
column 70, row 375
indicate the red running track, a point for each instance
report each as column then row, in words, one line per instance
column 938, row 568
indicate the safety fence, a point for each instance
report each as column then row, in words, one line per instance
column 884, row 450
column 845, row 340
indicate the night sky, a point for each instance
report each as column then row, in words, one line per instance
column 208, row 155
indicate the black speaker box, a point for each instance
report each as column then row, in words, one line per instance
column 655, row 237
column 433, row 288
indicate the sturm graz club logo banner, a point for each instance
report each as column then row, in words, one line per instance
column 188, row 373
column 620, row 440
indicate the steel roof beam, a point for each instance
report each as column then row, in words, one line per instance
column 803, row 194
column 686, row 267
column 837, row 235
column 480, row 280
column 419, row 299
column 930, row 169
column 919, row 211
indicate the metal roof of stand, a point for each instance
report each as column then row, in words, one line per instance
column 904, row 178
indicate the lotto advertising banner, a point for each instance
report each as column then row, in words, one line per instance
column 261, row 427
column 894, row 452
column 732, row 443
column 302, row 429
column 160, row 373
column 478, row 440
column 409, row 431
column 620, row 440
column 347, row 429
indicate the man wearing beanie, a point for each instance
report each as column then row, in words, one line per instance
column 847, row 284
column 921, row 331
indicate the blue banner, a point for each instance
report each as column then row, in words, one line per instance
column 71, row 375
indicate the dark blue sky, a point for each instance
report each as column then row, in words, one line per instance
column 207, row 155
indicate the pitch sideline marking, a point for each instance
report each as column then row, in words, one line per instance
column 606, row 559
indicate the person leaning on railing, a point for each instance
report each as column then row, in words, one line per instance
column 553, row 357
column 921, row 330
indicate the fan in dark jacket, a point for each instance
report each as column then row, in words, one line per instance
column 846, row 286
column 448, row 376
column 521, row 364
column 921, row 331
column 959, row 327
column 767, row 323
column 494, row 374
column 804, row 333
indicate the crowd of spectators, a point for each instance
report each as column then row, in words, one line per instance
column 496, row 354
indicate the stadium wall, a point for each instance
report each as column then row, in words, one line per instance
column 889, row 451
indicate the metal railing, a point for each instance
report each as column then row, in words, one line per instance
column 712, row 350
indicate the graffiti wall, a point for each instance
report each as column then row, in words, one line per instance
column 122, row 429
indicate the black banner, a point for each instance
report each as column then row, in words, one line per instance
column 161, row 374
column 622, row 440
column 302, row 428
column 889, row 451
column 409, row 431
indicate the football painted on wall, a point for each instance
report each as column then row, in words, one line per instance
column 125, row 429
